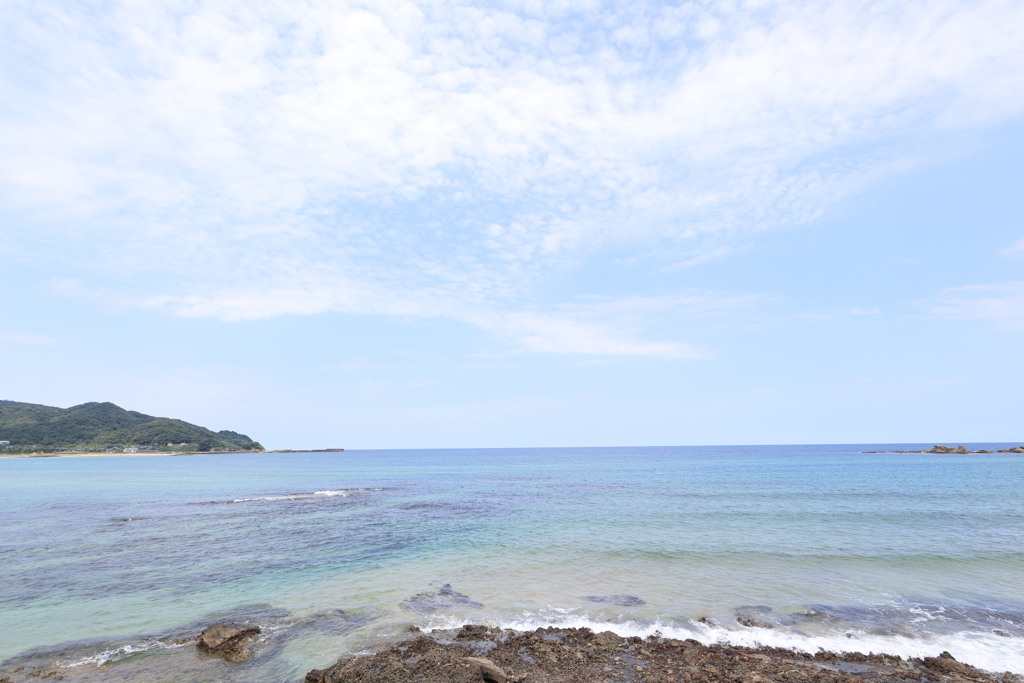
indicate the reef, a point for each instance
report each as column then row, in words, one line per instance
column 479, row 654
column 959, row 450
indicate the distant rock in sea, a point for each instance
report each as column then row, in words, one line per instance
column 959, row 450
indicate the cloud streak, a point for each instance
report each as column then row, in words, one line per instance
column 999, row 303
column 30, row 339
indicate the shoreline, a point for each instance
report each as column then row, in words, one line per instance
column 110, row 566
column 235, row 651
column 80, row 454
column 479, row 654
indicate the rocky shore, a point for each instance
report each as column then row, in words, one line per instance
column 236, row 652
column 478, row 654
column 958, row 450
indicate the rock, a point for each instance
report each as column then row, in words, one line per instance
column 945, row 663
column 227, row 641
column 752, row 623
column 959, row 450
column 607, row 639
column 490, row 671
column 473, row 632
column 553, row 655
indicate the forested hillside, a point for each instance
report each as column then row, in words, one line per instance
column 105, row 425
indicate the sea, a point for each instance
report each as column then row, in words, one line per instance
column 110, row 565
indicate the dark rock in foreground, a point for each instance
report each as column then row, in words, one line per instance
column 227, row 641
column 549, row 655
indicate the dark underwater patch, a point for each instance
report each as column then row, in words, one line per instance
column 444, row 598
column 623, row 600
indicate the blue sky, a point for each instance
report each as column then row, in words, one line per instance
column 389, row 224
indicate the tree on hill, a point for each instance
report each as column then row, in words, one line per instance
column 105, row 425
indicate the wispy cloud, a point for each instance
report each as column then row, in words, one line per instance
column 248, row 159
column 30, row 339
column 1001, row 303
column 555, row 334
column 362, row 365
column 609, row 326
column 1015, row 249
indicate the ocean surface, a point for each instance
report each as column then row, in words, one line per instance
column 110, row 563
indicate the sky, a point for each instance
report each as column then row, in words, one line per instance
column 388, row 224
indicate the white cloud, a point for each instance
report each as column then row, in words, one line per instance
column 248, row 159
column 1001, row 303
column 597, row 326
column 608, row 326
column 556, row 334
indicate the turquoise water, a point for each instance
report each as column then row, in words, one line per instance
column 105, row 559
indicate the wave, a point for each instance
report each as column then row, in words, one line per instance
column 120, row 652
column 985, row 650
column 343, row 493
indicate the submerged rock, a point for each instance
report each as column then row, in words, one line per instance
column 443, row 598
column 227, row 641
column 624, row 600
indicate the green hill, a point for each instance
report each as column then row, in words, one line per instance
column 105, row 425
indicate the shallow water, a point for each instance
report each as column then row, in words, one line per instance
column 114, row 559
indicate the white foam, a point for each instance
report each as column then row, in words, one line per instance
column 305, row 496
column 983, row 650
column 121, row 652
